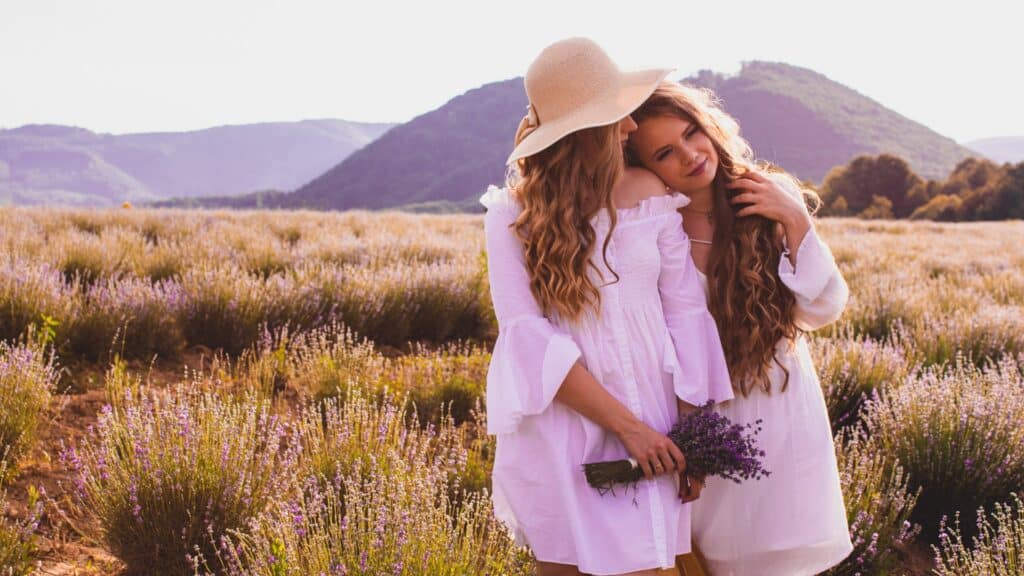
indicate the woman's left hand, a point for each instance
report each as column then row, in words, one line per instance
column 768, row 198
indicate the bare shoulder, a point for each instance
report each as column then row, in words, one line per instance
column 637, row 185
column 643, row 181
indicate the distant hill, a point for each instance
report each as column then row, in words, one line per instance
column 806, row 123
column 1006, row 149
column 795, row 117
column 450, row 154
column 49, row 164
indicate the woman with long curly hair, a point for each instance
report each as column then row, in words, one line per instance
column 604, row 334
column 769, row 278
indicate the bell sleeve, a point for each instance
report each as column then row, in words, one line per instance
column 531, row 357
column 816, row 282
column 701, row 373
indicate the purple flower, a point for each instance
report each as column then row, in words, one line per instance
column 714, row 446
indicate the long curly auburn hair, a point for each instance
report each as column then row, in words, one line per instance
column 560, row 189
column 753, row 309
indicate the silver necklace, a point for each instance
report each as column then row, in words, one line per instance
column 706, row 213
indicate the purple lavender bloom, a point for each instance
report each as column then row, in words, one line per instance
column 712, row 444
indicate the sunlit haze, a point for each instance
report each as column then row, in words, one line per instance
column 129, row 66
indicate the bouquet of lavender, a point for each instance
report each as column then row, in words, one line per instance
column 712, row 444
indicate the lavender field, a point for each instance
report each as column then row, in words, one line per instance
column 302, row 393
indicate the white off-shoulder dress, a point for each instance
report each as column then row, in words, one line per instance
column 792, row 523
column 653, row 341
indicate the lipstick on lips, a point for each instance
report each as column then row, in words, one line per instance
column 699, row 169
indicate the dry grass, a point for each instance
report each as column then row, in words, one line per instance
column 295, row 309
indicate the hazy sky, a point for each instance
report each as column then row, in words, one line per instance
column 141, row 65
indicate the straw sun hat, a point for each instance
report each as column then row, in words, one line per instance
column 574, row 85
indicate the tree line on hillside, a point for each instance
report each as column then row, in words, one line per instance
column 884, row 186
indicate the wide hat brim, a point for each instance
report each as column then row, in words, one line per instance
column 634, row 88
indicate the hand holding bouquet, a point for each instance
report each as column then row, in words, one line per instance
column 712, row 444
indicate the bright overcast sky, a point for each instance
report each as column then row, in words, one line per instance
column 143, row 65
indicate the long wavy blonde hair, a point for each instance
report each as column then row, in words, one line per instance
column 752, row 308
column 560, row 189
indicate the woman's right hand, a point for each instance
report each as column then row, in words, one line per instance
column 654, row 452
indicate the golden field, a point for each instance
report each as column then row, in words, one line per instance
column 302, row 393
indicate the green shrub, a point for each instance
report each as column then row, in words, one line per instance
column 379, row 502
column 357, row 434
column 998, row 550
column 131, row 317
column 18, row 546
column 983, row 336
column 28, row 379
column 228, row 309
column 878, row 506
column 166, row 475
column 31, row 292
column 957, row 433
column 852, row 368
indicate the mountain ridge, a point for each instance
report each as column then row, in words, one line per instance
column 794, row 117
column 51, row 163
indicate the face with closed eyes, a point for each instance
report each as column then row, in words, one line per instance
column 678, row 151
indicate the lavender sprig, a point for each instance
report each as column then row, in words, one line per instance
column 713, row 446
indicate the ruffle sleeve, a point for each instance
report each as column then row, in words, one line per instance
column 657, row 206
column 531, row 357
column 650, row 210
column 816, row 282
column 701, row 373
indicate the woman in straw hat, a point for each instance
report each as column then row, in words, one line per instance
column 604, row 333
column 763, row 296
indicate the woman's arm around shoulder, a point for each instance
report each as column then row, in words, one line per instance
column 703, row 373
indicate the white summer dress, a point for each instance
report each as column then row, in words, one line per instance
column 792, row 523
column 652, row 342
